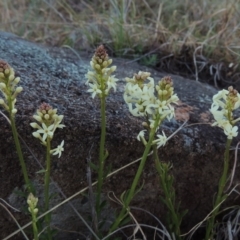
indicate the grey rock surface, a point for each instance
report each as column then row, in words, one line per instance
column 57, row 76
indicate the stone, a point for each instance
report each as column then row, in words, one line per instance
column 57, row 76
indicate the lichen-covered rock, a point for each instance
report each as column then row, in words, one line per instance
column 57, row 76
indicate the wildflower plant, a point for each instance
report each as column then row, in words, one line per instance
column 100, row 80
column 224, row 103
column 154, row 103
column 47, row 122
column 145, row 99
column 32, row 208
column 10, row 91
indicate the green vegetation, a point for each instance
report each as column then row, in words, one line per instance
column 197, row 38
column 201, row 35
column 154, row 102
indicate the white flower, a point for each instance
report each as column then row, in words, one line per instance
column 221, row 123
column 46, row 131
column 148, row 96
column 160, row 105
column 171, row 113
column 133, row 90
column 137, row 111
column 141, row 134
column 127, row 98
column 231, row 131
column 94, row 89
column 161, row 141
column 112, row 83
column 91, row 76
column 173, row 99
column 35, row 125
column 220, row 95
column 150, row 109
column 151, row 82
column 58, row 150
column 221, row 114
column 217, row 114
column 57, row 123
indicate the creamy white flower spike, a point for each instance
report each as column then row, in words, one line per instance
column 8, row 87
column 144, row 99
column 224, row 103
column 32, row 204
column 153, row 102
column 48, row 122
column 100, row 79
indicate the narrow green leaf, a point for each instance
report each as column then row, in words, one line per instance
column 93, row 166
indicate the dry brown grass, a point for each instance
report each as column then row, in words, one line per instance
column 198, row 38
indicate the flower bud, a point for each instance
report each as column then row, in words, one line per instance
column 50, row 111
column 19, row 89
column 46, row 116
column 35, row 211
column 34, row 125
column 54, row 111
column 2, row 86
column 11, row 77
column 7, row 71
column 92, row 64
column 145, row 125
column 60, row 118
column 164, row 92
column 14, row 111
column 38, row 118
column 97, row 66
column 16, row 80
column 113, row 68
column 32, row 203
column 105, row 64
column 36, row 135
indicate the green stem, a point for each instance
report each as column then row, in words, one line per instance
column 131, row 193
column 19, row 152
column 220, row 195
column 46, row 188
column 102, row 156
column 34, row 225
column 166, row 182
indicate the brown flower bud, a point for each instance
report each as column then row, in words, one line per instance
column 4, row 66
column 101, row 55
column 232, row 96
